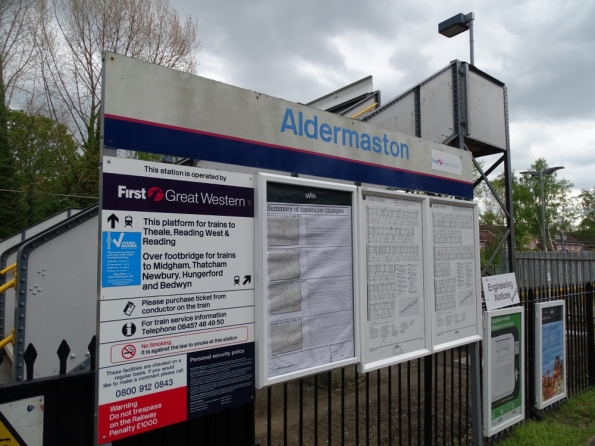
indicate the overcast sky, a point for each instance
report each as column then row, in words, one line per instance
column 544, row 51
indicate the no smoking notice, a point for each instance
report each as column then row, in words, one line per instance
column 176, row 297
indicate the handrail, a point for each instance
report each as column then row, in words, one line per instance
column 8, row 269
column 7, row 339
column 10, row 284
column 365, row 110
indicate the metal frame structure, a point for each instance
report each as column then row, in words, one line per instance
column 463, row 132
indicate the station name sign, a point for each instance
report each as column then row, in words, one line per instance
column 203, row 119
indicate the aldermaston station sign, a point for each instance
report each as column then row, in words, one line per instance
column 154, row 109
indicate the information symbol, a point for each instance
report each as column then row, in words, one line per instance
column 128, row 329
column 128, row 351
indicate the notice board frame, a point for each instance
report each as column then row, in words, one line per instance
column 364, row 366
column 489, row 429
column 540, row 403
column 262, row 335
column 465, row 338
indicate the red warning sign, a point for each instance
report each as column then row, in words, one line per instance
column 128, row 351
column 137, row 415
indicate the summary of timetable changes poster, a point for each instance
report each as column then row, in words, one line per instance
column 309, row 324
column 176, row 330
column 394, row 314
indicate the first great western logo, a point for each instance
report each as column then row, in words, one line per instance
column 156, row 194
column 136, row 193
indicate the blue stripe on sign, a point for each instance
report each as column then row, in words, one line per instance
column 142, row 137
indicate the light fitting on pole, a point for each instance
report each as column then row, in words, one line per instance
column 455, row 25
column 459, row 24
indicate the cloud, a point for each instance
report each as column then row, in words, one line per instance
column 543, row 50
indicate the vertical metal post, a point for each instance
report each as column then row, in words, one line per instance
column 472, row 58
column 543, row 239
column 590, row 334
column 476, row 394
column 428, row 428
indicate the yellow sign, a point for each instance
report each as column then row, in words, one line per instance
column 8, row 436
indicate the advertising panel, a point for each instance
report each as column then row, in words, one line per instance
column 150, row 108
column 306, row 312
column 176, row 295
column 550, row 348
column 394, row 311
column 503, row 369
column 456, row 306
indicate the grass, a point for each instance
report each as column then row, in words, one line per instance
column 571, row 424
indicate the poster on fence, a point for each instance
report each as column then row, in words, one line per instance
column 305, row 312
column 394, row 309
column 550, row 353
column 503, row 369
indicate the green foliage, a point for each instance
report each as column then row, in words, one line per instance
column 47, row 169
column 560, row 207
column 571, row 424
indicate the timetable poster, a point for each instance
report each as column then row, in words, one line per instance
column 454, row 249
column 550, row 342
column 310, row 286
column 394, row 318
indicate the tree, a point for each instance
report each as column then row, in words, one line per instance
column 149, row 30
column 560, row 206
column 45, row 158
column 18, row 27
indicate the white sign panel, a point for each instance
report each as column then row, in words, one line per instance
column 395, row 316
column 447, row 162
column 176, row 295
column 550, row 349
column 456, row 306
column 503, row 369
column 306, row 313
column 147, row 104
column 500, row 291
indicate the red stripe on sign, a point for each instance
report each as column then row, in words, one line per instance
column 137, row 415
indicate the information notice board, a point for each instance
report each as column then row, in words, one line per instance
column 306, row 316
column 550, row 348
column 176, row 295
column 394, row 312
column 456, row 306
column 503, row 369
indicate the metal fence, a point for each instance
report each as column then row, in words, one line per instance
column 554, row 269
column 425, row 401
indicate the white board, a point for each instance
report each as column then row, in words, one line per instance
column 394, row 291
column 176, row 301
column 305, row 311
column 454, row 244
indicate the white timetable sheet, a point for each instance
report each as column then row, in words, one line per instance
column 310, row 282
column 454, row 250
column 394, row 319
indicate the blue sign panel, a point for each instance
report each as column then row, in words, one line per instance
column 121, row 259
